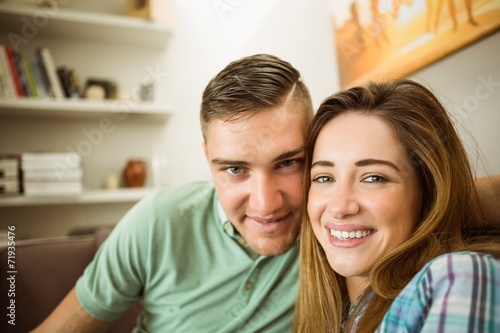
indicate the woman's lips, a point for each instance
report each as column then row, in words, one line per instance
column 352, row 237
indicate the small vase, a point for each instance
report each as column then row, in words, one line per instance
column 134, row 173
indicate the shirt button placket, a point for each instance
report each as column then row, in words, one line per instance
column 248, row 285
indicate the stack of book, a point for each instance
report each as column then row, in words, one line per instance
column 51, row 173
column 36, row 76
column 9, row 175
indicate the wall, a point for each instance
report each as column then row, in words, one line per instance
column 468, row 82
column 208, row 38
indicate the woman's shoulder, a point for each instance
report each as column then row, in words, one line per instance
column 446, row 293
column 466, row 267
column 462, row 260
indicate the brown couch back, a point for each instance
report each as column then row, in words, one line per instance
column 45, row 270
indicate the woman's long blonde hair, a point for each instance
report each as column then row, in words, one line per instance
column 449, row 205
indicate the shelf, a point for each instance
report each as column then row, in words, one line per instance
column 79, row 108
column 123, row 195
column 84, row 25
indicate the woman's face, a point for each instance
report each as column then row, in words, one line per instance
column 364, row 195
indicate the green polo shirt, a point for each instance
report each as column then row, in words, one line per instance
column 177, row 251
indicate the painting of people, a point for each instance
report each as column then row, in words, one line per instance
column 383, row 39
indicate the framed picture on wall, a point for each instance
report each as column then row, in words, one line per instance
column 383, row 39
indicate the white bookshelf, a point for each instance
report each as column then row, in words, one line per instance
column 123, row 195
column 94, row 26
column 100, row 30
column 30, row 107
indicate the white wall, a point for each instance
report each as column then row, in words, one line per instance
column 210, row 34
column 468, row 82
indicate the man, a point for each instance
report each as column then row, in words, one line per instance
column 218, row 257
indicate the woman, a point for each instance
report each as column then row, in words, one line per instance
column 391, row 195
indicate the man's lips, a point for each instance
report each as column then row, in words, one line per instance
column 265, row 221
column 270, row 224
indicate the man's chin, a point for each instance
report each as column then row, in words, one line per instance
column 272, row 247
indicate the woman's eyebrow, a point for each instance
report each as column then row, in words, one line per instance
column 361, row 163
column 323, row 163
column 373, row 161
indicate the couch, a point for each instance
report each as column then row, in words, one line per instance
column 46, row 270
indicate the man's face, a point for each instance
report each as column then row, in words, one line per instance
column 257, row 167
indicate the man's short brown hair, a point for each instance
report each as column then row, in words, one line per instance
column 252, row 84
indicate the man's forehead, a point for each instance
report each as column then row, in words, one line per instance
column 260, row 139
column 259, row 121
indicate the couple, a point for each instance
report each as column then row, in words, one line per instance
column 391, row 210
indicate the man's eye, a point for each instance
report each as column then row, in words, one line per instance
column 234, row 170
column 322, row 179
column 288, row 163
column 375, row 179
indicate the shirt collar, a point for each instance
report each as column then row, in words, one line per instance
column 222, row 215
column 229, row 228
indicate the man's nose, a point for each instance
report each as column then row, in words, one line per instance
column 266, row 196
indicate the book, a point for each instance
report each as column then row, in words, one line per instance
column 51, row 157
column 50, row 69
column 75, row 83
column 43, row 73
column 51, row 166
column 52, row 188
column 48, row 175
column 30, row 78
column 9, row 168
column 7, row 88
column 13, row 71
column 9, row 186
column 42, row 89
column 18, row 62
column 64, row 75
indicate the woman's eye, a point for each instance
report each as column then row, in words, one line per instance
column 376, row 179
column 322, row 179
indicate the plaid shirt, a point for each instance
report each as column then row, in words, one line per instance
column 455, row 292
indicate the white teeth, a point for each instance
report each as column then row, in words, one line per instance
column 344, row 235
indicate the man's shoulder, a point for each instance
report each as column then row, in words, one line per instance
column 182, row 199
column 170, row 208
column 187, row 192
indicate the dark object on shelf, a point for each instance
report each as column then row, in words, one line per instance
column 135, row 172
column 110, row 87
column 69, row 82
column 152, row 10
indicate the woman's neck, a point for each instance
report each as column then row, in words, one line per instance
column 355, row 286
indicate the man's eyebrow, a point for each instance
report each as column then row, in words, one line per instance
column 222, row 161
column 289, row 154
column 373, row 161
column 361, row 163
column 281, row 157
